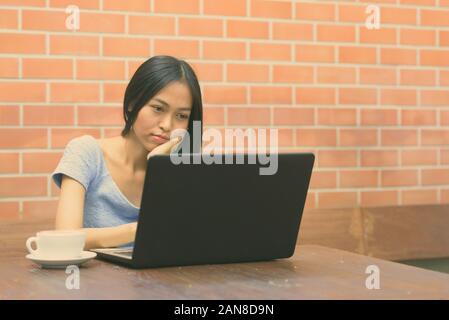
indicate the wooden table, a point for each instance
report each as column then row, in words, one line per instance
column 314, row 272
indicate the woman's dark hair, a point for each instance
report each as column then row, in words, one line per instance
column 151, row 77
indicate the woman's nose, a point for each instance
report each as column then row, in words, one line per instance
column 165, row 123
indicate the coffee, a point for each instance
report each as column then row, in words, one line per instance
column 59, row 244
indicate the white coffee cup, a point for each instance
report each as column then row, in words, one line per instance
column 59, row 244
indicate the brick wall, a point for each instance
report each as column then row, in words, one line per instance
column 371, row 104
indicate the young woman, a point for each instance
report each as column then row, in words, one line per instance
column 102, row 180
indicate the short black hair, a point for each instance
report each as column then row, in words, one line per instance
column 151, row 77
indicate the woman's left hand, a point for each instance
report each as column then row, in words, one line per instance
column 165, row 148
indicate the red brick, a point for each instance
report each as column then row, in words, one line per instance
column 335, row 33
column 399, row 137
column 271, row 9
column 381, row 36
column 292, row 74
column 315, row 11
column 336, row 74
column 44, row 20
column 293, row 116
column 357, row 55
column 114, row 92
column 357, row 96
column 418, row 77
column 200, row 27
column 45, row 210
column 247, row 29
column 9, row 211
column 444, row 156
column 398, row 15
column 418, row 37
column 434, row 58
column 23, row 138
column 9, row 19
column 397, row 56
column 40, row 162
column 316, row 137
column 398, row 97
column 358, row 137
column 395, row 178
column 352, row 13
column 47, row 68
column 61, row 136
column 435, row 18
column 9, row 163
column 224, row 50
column 208, row 71
column 224, row 94
column 74, row 45
column 379, row 117
column 435, row 97
column 225, row 8
column 337, row 199
column 82, row 4
column 97, row 116
column 379, row 198
column 176, row 6
column 416, row 197
column 315, row 96
column 74, row 92
column 9, row 115
column 323, row 179
column 418, row 117
column 377, row 76
column 100, row 69
column 292, row 31
column 213, row 116
column 337, row 158
column 129, row 5
column 248, row 116
column 102, row 22
column 358, row 178
column 379, row 158
column 247, row 73
column 270, row 51
column 419, row 157
column 48, row 115
column 331, row 116
column 315, row 53
column 23, row 186
column 435, row 176
column 128, row 47
column 9, row 68
column 271, row 95
column 151, row 25
column 435, row 137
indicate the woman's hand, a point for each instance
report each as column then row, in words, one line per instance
column 133, row 226
column 165, row 148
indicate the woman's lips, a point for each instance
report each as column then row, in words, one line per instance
column 159, row 139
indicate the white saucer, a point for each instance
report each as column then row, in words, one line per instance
column 61, row 263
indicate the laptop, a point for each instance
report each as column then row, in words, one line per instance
column 217, row 213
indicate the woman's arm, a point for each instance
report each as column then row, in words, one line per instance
column 70, row 216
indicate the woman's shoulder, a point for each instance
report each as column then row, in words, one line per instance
column 84, row 140
column 80, row 161
column 85, row 146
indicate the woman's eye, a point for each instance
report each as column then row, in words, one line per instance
column 157, row 108
column 183, row 116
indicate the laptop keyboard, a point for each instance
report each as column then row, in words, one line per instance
column 126, row 253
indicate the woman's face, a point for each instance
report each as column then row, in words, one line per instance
column 167, row 111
